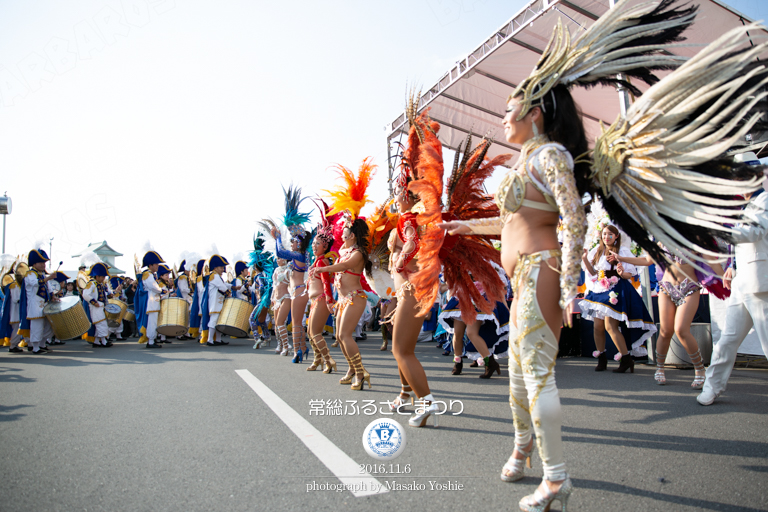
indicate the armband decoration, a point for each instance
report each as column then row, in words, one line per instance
column 486, row 226
column 409, row 234
column 558, row 171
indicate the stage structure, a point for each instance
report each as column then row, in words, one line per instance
column 472, row 95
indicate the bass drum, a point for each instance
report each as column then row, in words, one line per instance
column 234, row 318
column 67, row 317
column 173, row 319
column 115, row 312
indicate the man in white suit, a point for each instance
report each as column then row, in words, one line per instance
column 748, row 303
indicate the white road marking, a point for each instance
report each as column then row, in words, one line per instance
column 340, row 464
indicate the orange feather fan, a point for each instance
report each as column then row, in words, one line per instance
column 380, row 224
column 352, row 195
column 426, row 161
column 464, row 260
column 467, row 259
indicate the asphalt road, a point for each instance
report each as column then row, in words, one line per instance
column 132, row 429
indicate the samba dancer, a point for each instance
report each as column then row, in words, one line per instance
column 352, row 298
column 353, row 260
column 263, row 263
column 297, row 258
column 281, row 305
column 321, row 293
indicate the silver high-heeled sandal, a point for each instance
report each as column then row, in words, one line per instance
column 419, row 419
column 537, row 502
column 515, row 468
column 660, row 376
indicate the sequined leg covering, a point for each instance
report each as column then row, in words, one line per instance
column 361, row 375
column 282, row 336
column 322, row 348
column 533, row 394
column 347, row 379
column 298, row 338
column 317, row 360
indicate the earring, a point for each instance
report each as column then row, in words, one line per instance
column 535, row 129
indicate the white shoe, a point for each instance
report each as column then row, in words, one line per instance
column 707, row 397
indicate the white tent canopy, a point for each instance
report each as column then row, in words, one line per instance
column 471, row 97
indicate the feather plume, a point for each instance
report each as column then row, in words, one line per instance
column 664, row 171
column 89, row 258
column 380, row 224
column 351, row 195
column 470, row 259
column 426, row 163
column 7, row 260
column 292, row 216
column 146, row 247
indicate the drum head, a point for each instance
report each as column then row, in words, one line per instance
column 113, row 309
column 57, row 307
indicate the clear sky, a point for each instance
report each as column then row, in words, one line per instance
column 177, row 121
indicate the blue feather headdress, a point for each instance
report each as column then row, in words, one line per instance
column 260, row 257
column 293, row 219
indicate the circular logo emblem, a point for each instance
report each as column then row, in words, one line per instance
column 384, row 439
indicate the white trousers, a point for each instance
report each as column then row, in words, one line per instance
column 213, row 334
column 152, row 327
column 533, row 393
column 39, row 332
column 15, row 336
column 739, row 319
column 102, row 329
column 116, row 330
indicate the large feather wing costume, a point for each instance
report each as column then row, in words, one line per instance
column 663, row 170
column 468, row 259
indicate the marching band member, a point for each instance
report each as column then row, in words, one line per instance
column 182, row 283
column 195, row 310
column 116, row 288
column 58, row 288
column 185, row 291
column 166, row 286
column 153, row 293
column 96, row 295
column 35, row 294
column 217, row 291
column 239, row 284
column 9, row 327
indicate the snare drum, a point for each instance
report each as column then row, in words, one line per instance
column 115, row 312
column 173, row 319
column 234, row 318
column 67, row 317
column 129, row 315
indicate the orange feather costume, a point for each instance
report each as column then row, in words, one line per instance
column 464, row 260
